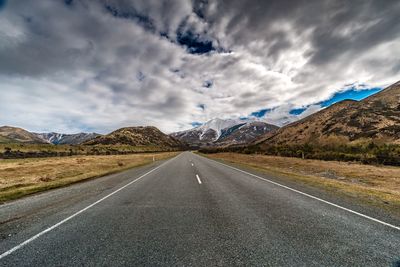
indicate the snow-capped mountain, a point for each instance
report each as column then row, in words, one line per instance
column 219, row 131
column 66, row 139
column 218, row 125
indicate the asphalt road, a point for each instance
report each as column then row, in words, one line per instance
column 191, row 211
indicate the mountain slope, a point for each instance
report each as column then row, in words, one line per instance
column 224, row 132
column 137, row 136
column 66, row 139
column 246, row 133
column 5, row 140
column 374, row 118
column 18, row 135
column 207, row 133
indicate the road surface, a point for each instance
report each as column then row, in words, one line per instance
column 193, row 211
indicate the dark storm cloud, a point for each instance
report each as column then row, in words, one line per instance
column 354, row 28
column 111, row 63
column 336, row 27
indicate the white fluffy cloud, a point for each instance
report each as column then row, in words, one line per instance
column 98, row 65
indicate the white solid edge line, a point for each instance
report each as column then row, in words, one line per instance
column 311, row 196
column 198, row 179
column 8, row 252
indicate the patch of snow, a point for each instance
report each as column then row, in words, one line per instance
column 217, row 125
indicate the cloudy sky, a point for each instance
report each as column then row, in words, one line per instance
column 97, row 65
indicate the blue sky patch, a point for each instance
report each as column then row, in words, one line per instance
column 260, row 113
column 297, row 111
column 196, row 124
column 2, row 4
column 208, row 84
column 352, row 93
column 194, row 43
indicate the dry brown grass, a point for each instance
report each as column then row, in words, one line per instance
column 19, row 177
column 378, row 185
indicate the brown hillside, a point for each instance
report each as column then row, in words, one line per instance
column 18, row 135
column 375, row 118
column 136, row 136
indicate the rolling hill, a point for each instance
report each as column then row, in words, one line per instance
column 137, row 136
column 10, row 134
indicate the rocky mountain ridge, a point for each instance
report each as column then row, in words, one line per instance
column 224, row 132
column 66, row 139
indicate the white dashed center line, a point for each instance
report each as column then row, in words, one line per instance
column 198, row 179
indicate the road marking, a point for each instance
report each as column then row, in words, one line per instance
column 198, row 179
column 5, row 254
column 311, row 196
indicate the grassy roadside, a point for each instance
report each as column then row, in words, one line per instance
column 374, row 185
column 23, row 151
column 21, row 177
